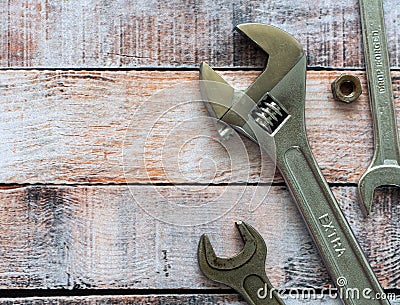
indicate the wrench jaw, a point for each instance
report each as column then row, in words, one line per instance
column 283, row 80
column 283, row 54
column 273, row 100
column 232, row 271
column 289, row 95
column 244, row 272
column 376, row 176
column 229, row 106
column 219, row 94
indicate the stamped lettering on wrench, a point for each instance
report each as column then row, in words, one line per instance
column 378, row 61
column 331, row 232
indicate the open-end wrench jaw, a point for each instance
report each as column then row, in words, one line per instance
column 222, row 269
column 245, row 272
column 376, row 176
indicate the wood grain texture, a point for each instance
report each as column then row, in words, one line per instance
column 123, row 33
column 87, row 133
column 100, row 237
column 205, row 299
column 112, row 127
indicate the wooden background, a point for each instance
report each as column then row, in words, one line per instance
column 74, row 74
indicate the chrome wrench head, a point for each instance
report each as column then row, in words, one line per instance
column 277, row 94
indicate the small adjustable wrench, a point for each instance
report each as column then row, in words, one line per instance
column 277, row 113
column 244, row 272
column 385, row 165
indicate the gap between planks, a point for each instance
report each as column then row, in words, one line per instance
column 156, row 300
column 185, row 299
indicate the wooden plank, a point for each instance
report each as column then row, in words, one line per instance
column 42, row 33
column 202, row 299
column 76, row 127
column 101, row 237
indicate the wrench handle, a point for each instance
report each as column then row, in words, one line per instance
column 379, row 82
column 338, row 247
column 257, row 290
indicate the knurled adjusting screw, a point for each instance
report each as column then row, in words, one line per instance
column 346, row 88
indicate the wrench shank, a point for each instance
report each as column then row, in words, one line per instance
column 379, row 82
column 257, row 290
column 332, row 234
column 339, row 249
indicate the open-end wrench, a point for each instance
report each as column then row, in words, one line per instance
column 244, row 272
column 279, row 94
column 385, row 165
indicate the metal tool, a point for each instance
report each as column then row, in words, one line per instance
column 384, row 168
column 279, row 94
column 244, row 272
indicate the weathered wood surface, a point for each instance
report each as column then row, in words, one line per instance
column 202, row 299
column 100, row 237
column 56, row 33
column 76, row 127
column 104, row 127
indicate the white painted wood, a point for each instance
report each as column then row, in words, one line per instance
column 100, row 237
column 70, row 127
column 56, row 33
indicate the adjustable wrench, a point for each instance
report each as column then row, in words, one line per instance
column 385, row 165
column 277, row 113
column 244, row 272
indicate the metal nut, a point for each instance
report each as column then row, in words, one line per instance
column 346, row 88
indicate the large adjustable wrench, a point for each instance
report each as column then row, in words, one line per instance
column 277, row 113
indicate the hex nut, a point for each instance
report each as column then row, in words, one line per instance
column 346, row 88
